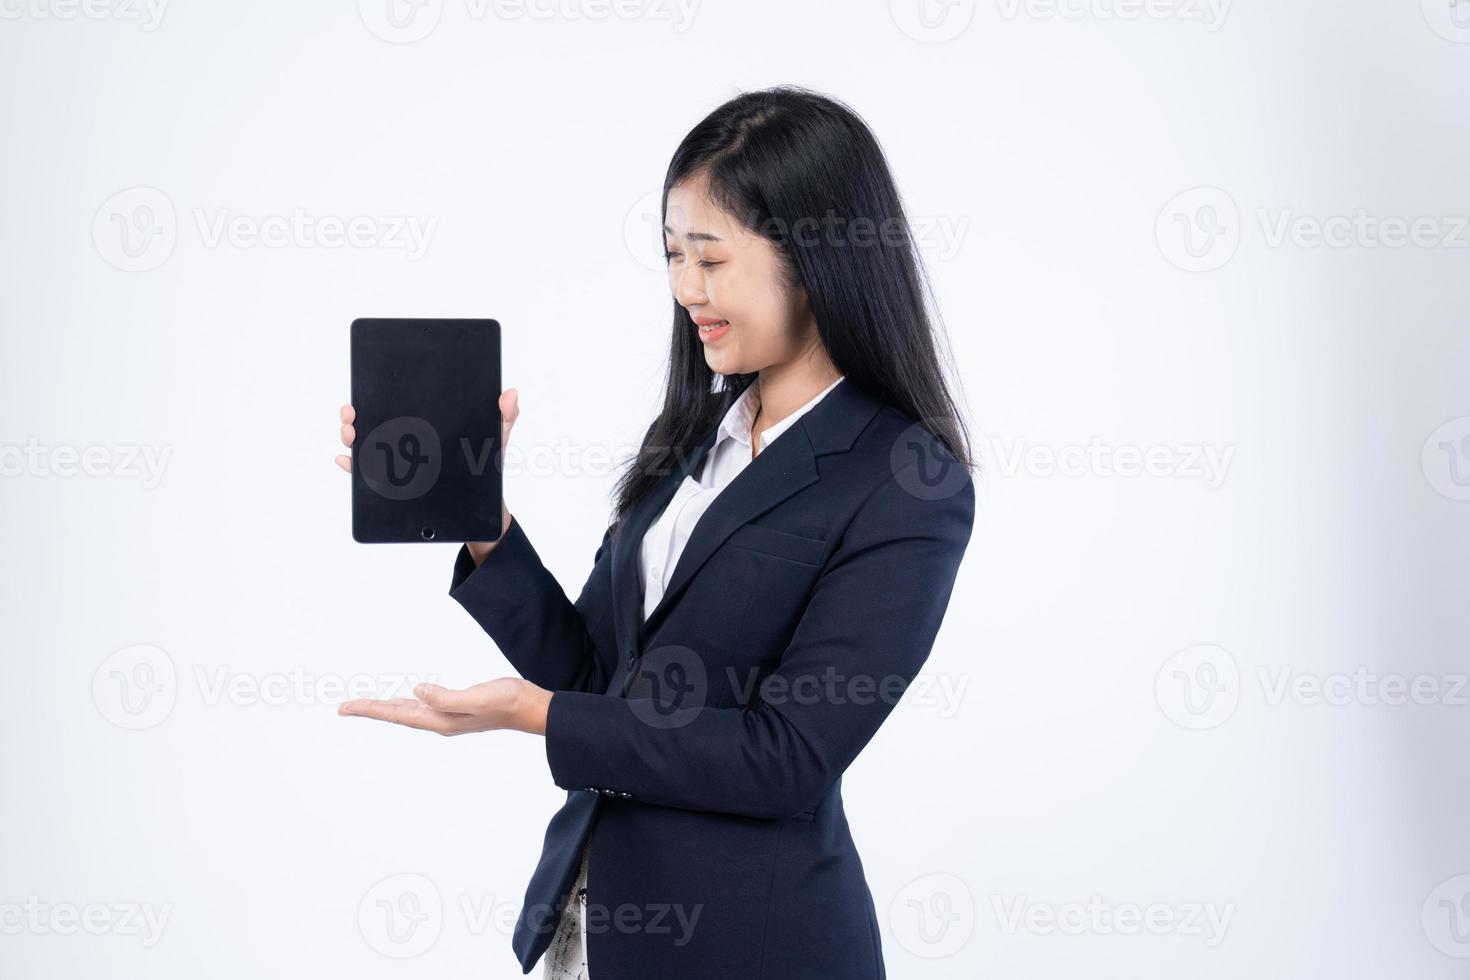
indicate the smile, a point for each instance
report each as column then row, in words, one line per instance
column 714, row 331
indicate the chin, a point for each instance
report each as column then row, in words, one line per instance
column 721, row 364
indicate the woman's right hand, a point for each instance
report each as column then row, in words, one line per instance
column 510, row 410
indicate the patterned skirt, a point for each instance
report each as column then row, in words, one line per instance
column 566, row 957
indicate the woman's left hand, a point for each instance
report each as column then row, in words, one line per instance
column 508, row 703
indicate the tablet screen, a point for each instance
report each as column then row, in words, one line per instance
column 426, row 460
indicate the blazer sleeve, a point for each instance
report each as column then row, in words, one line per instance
column 868, row 627
column 519, row 603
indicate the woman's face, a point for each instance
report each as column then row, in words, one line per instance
column 719, row 270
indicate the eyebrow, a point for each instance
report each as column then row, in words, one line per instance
column 696, row 236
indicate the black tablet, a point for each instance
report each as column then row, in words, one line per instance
column 426, row 460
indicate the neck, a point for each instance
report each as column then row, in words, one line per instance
column 784, row 388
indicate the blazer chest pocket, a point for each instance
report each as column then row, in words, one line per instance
column 781, row 544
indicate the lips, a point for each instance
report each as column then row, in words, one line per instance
column 712, row 331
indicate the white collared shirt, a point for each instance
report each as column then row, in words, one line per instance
column 665, row 539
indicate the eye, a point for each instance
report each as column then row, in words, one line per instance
column 669, row 256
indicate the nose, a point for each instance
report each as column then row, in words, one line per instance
column 689, row 285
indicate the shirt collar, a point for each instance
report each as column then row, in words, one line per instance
column 741, row 415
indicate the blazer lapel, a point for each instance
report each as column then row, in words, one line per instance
column 776, row 473
column 788, row 465
column 627, row 581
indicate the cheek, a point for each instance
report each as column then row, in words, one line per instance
column 759, row 311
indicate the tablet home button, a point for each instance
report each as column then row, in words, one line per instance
column 428, row 533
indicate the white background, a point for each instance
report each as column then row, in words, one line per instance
column 1177, row 694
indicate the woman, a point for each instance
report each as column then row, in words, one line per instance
column 783, row 550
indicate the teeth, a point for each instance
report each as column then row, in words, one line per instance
column 713, row 326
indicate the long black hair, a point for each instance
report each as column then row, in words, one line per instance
column 804, row 171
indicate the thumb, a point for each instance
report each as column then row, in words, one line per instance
column 510, row 406
column 510, row 410
column 441, row 698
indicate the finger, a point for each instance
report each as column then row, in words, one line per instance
column 510, row 410
column 359, row 705
column 348, row 434
column 400, row 711
column 349, row 414
column 345, row 462
column 444, row 700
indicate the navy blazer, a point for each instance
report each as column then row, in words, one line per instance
column 703, row 750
